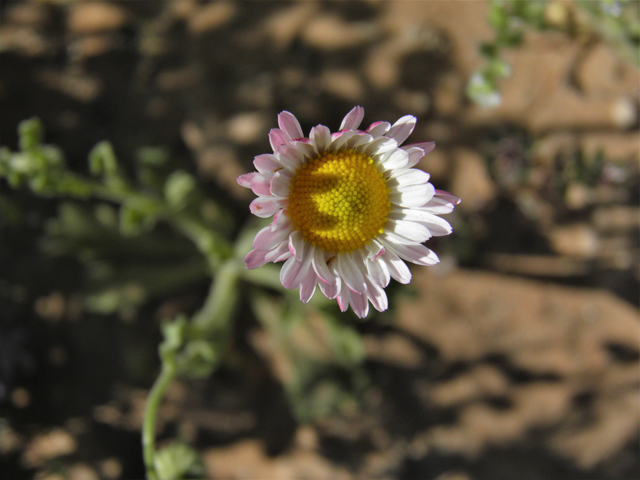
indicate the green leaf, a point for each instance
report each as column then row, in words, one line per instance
column 178, row 461
column 30, row 133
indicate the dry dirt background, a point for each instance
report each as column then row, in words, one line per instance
column 516, row 358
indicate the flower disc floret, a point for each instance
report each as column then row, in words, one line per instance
column 339, row 201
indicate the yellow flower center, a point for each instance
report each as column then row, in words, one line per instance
column 339, row 201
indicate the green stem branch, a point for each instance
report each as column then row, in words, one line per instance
column 167, row 375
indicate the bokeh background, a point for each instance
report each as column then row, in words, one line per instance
column 515, row 358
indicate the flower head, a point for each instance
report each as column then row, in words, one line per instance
column 347, row 208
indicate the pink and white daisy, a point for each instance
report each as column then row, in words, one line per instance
column 347, row 208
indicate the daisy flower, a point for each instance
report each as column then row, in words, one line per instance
column 347, row 208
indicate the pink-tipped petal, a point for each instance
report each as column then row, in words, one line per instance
column 320, row 137
column 350, row 273
column 378, row 273
column 289, row 272
column 280, row 183
column 447, row 196
column 308, row 286
column 298, row 246
column 320, row 267
column 418, row 254
column 278, row 138
column 289, row 123
column 377, row 297
column 378, row 129
column 373, row 250
column 266, row 163
column 353, row 119
column 426, row 146
column 359, row 303
column 245, row 180
column 255, row 259
column 343, row 299
column 415, row 155
column 402, row 128
column 264, row 207
column 279, row 254
column 260, row 185
column 397, row 268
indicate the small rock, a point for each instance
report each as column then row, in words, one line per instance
column 92, row 17
column 285, row 25
column 246, row 127
column 417, row 103
column 624, row 113
column 330, row 32
column 212, row 16
column 471, row 181
column 343, row 83
column 577, row 240
column 27, row 14
column 578, row 196
column 56, row 443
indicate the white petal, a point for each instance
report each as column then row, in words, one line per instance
column 415, row 253
column 289, row 158
column 339, row 139
column 279, row 254
column 357, row 140
column 304, row 149
column 378, row 273
column 378, row 129
column 353, row 119
column 438, row 205
column 343, row 299
column 305, row 269
column 308, row 286
column 436, row 225
column 289, row 123
column 412, row 231
column 413, row 197
column 280, row 183
column 298, row 245
column 268, row 238
column 331, row 291
column 394, row 159
column 426, row 146
column 377, row 297
column 320, row 266
column 397, row 268
column 402, row 128
column 379, row 146
column 264, row 207
column 373, row 249
column 415, row 155
column 289, row 271
column 408, row 177
column 320, row 137
column 266, row 163
column 359, row 303
column 350, row 273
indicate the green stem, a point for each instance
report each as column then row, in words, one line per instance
column 156, row 394
column 218, row 306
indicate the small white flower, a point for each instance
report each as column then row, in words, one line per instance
column 348, row 208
